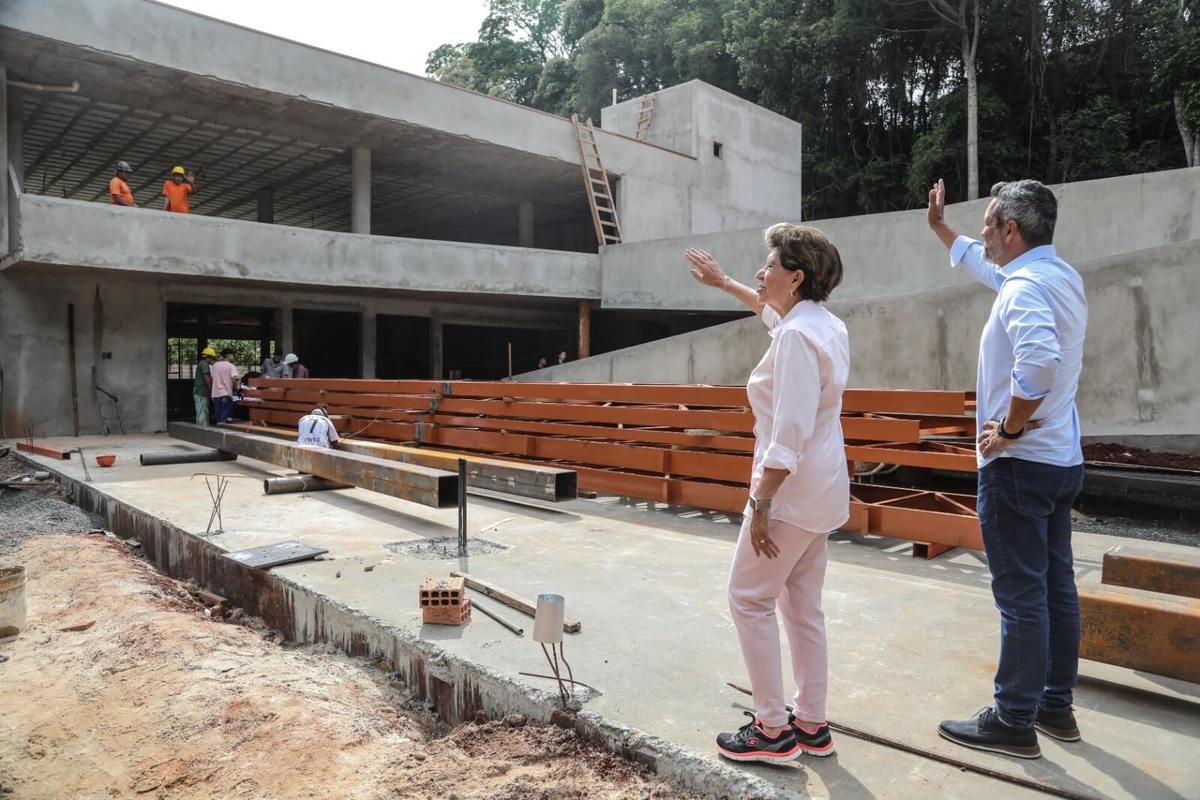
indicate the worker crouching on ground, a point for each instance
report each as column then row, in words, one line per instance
column 119, row 193
column 177, row 190
column 315, row 430
column 799, row 490
column 224, row 385
column 202, row 386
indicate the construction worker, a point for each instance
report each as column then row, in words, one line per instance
column 224, row 385
column 202, row 386
column 118, row 188
column 292, row 362
column 315, row 430
column 177, row 189
column 273, row 366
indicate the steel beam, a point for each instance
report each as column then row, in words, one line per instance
column 1175, row 572
column 42, row 450
column 417, row 484
column 509, row 477
column 1141, row 630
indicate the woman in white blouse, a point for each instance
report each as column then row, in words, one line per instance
column 799, row 489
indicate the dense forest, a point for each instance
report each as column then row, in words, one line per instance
column 892, row 93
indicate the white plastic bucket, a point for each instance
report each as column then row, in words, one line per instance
column 12, row 601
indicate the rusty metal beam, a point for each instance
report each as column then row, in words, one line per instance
column 1173, row 572
column 509, row 477
column 417, row 484
column 928, row 455
column 43, row 450
column 1146, row 631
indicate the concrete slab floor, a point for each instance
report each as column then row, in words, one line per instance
column 911, row 642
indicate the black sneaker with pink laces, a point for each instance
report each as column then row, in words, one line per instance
column 819, row 743
column 751, row 743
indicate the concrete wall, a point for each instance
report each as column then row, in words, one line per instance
column 757, row 178
column 70, row 232
column 131, row 325
column 895, row 253
column 1141, row 375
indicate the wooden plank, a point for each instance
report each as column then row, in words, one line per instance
column 431, row 487
column 43, row 450
column 272, row 555
column 511, row 600
column 1137, row 629
column 1155, row 571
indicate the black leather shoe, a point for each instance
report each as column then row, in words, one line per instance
column 1058, row 724
column 985, row 731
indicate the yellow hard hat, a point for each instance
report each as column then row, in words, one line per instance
column 208, row 351
column 178, row 171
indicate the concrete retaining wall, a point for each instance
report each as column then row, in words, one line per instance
column 1141, row 375
column 895, row 253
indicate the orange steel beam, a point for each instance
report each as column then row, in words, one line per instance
column 734, row 421
column 914, row 454
column 43, row 450
column 880, row 400
column 743, row 444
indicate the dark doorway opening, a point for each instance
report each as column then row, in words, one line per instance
column 249, row 331
column 480, row 352
column 329, row 343
column 402, row 347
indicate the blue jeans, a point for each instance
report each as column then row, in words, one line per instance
column 224, row 407
column 1025, row 516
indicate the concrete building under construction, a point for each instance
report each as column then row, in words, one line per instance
column 378, row 223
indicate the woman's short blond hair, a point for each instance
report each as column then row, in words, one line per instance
column 810, row 251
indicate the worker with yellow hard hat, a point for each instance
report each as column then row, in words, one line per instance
column 202, row 385
column 177, row 189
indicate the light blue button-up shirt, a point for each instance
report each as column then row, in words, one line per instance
column 1031, row 347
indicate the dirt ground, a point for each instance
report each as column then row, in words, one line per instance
column 1119, row 454
column 157, row 700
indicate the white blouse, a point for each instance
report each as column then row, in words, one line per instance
column 795, row 393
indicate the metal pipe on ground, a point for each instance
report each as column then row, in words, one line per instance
column 288, row 484
column 185, row 457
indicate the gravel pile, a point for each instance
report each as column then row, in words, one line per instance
column 25, row 513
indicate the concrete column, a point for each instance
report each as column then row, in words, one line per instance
column 266, row 205
column 360, row 190
column 12, row 177
column 585, row 328
column 369, row 343
column 284, row 332
column 4, row 201
column 525, row 223
column 436, row 370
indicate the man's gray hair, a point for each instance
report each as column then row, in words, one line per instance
column 1031, row 205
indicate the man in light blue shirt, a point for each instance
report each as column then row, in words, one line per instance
column 1030, row 462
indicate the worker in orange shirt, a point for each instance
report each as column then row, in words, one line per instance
column 177, row 189
column 118, row 187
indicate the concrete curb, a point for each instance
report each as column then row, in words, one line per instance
column 455, row 688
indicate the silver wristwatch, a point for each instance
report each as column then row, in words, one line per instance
column 759, row 505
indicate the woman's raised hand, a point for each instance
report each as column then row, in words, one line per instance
column 705, row 268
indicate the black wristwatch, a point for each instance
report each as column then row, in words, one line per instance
column 1005, row 434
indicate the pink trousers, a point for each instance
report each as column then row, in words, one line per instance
column 791, row 583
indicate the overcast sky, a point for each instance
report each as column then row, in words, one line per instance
column 399, row 33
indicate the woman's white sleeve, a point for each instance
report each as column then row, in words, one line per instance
column 797, row 383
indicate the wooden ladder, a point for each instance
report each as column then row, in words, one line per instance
column 645, row 115
column 595, row 184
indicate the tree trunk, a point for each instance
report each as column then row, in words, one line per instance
column 970, row 46
column 1191, row 141
column 972, row 126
